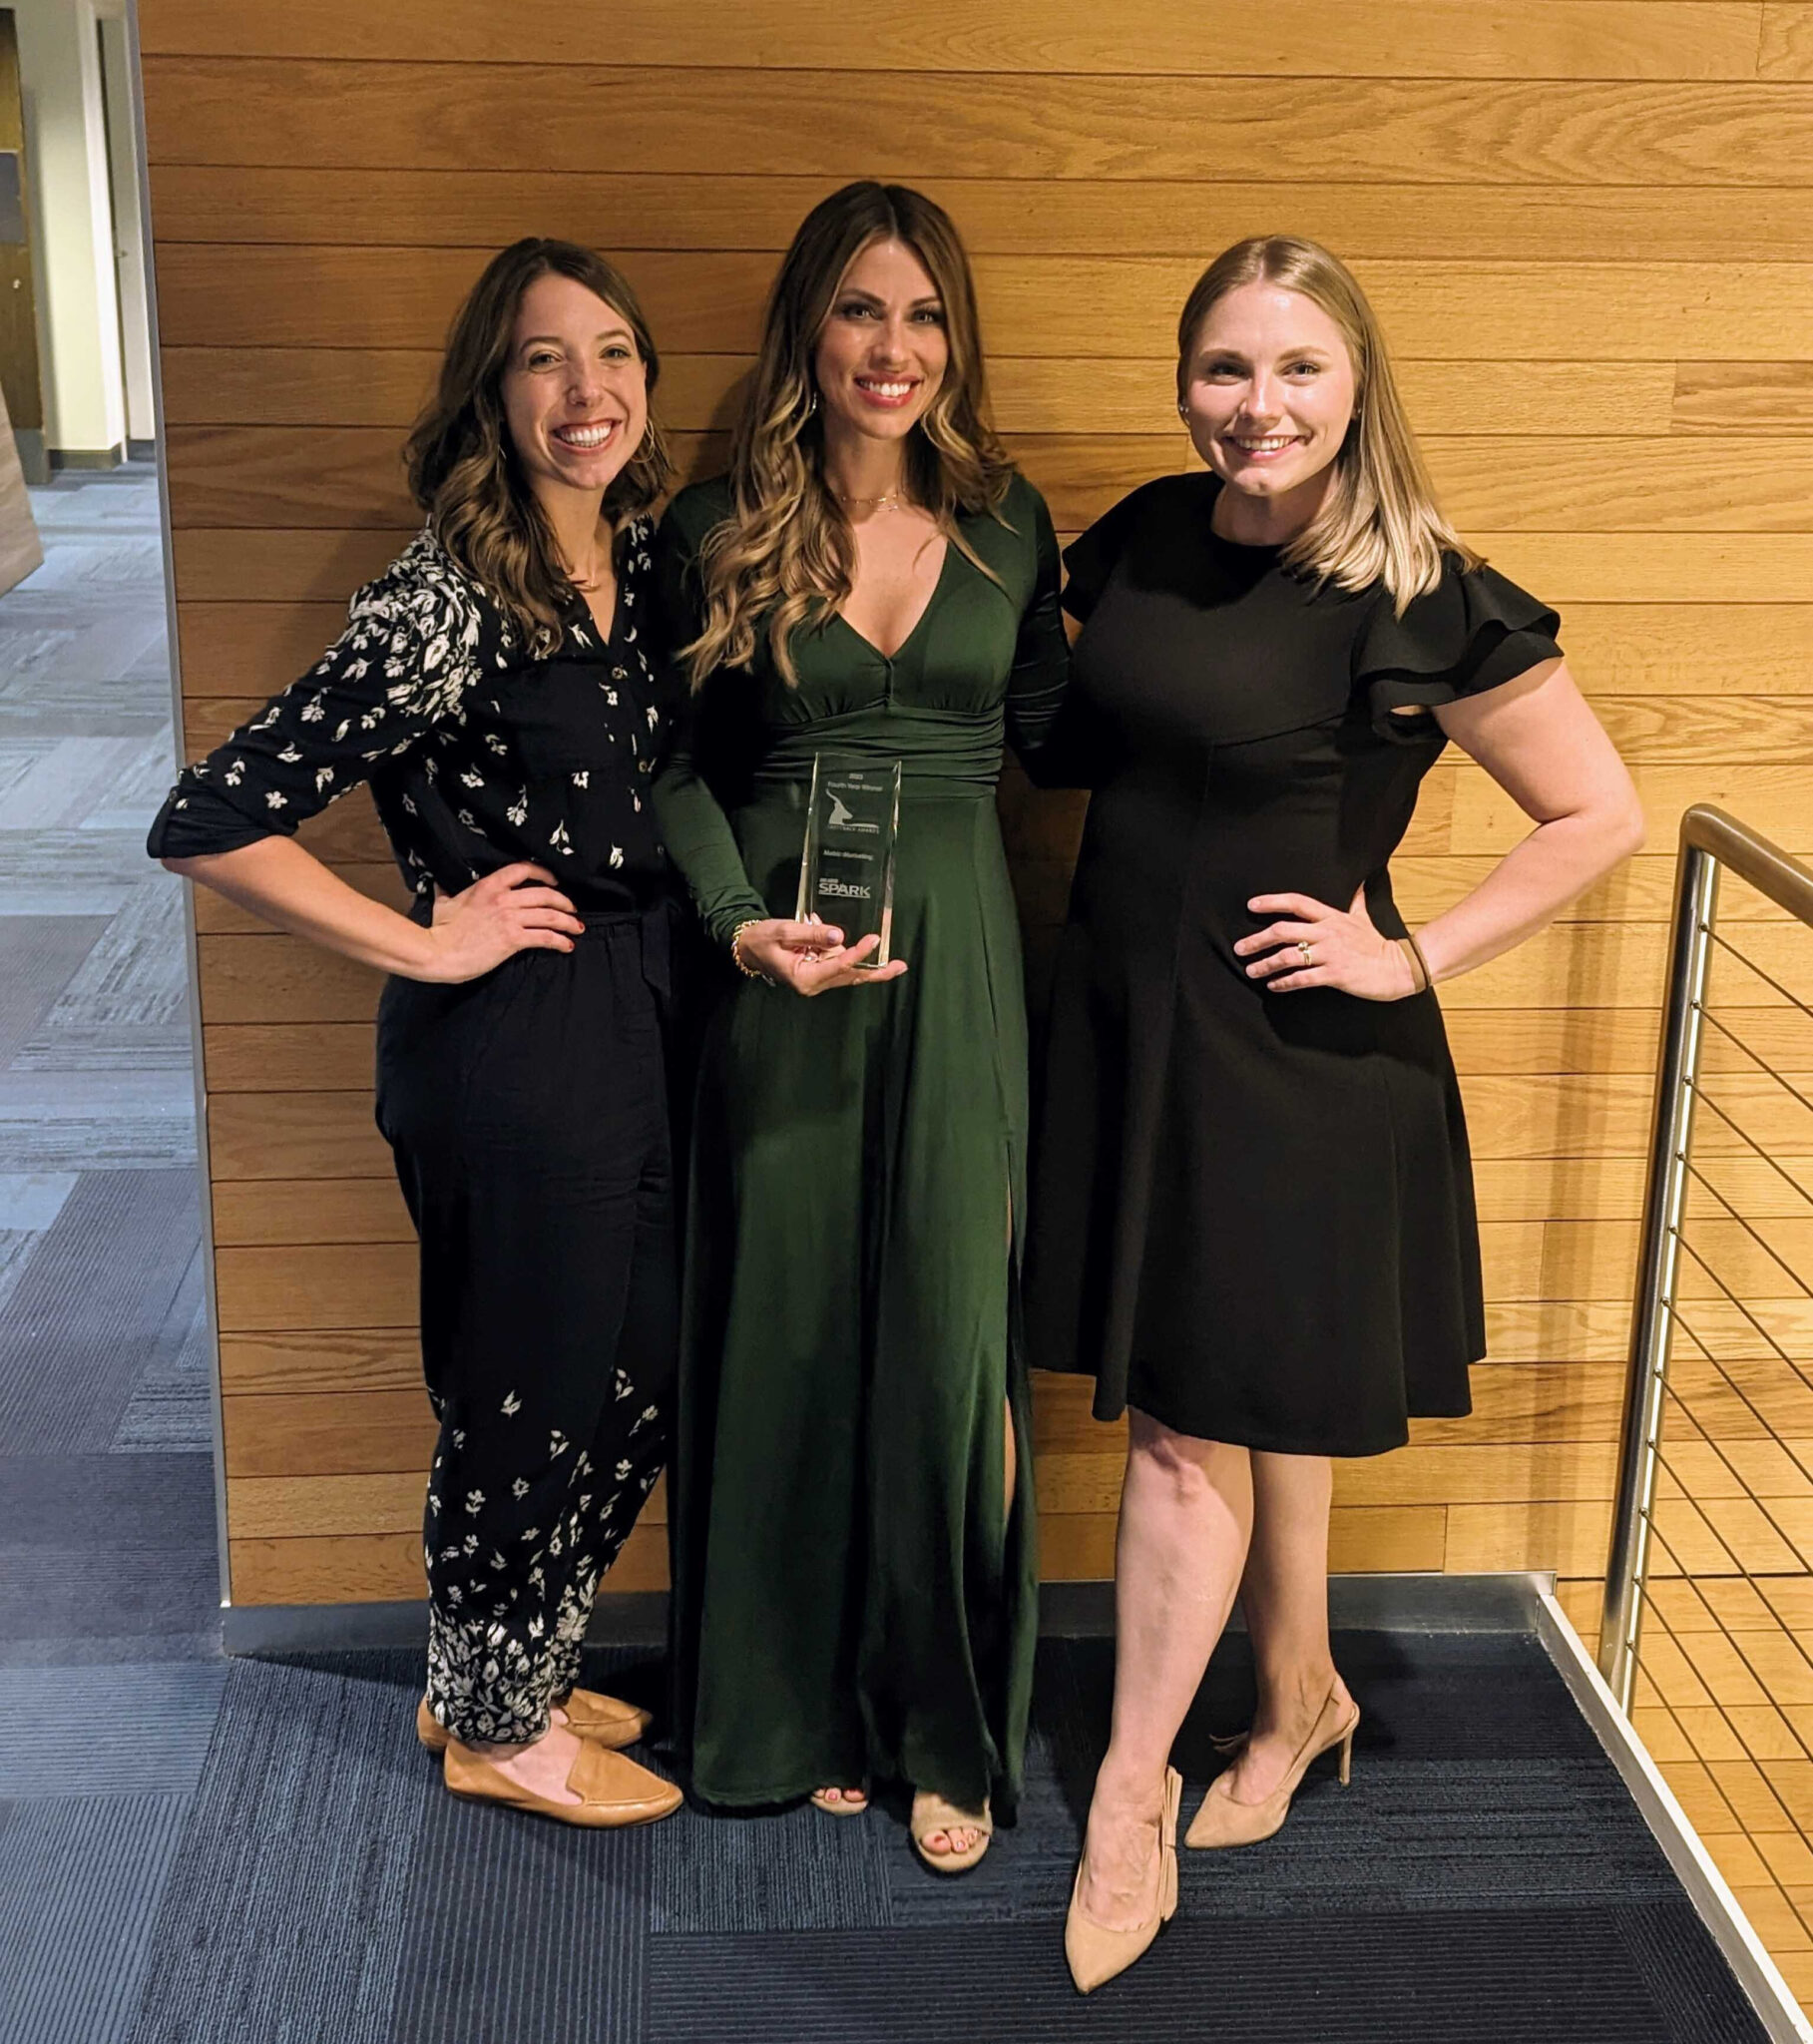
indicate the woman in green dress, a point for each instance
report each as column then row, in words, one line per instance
column 855, row 1576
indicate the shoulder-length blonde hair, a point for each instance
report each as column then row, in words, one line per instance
column 1380, row 521
column 786, row 554
column 463, row 467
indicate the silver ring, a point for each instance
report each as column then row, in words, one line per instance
column 1303, row 949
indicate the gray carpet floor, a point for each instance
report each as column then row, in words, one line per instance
column 109, row 1587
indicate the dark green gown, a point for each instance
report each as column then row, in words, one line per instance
column 854, row 1600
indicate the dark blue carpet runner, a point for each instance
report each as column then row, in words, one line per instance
column 1486, row 1879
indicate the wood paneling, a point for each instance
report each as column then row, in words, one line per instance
column 543, row 117
column 341, row 1284
column 313, row 1432
column 1446, row 223
column 261, row 1213
column 1727, row 397
column 1679, row 646
column 709, row 301
column 1587, row 225
column 355, row 1359
column 1568, row 1535
column 294, row 1135
column 1667, row 39
column 1787, row 40
column 1080, row 1545
column 281, row 566
column 343, row 476
column 281, row 979
column 324, row 386
column 1569, row 567
column 327, row 1057
column 388, row 1567
column 1770, row 799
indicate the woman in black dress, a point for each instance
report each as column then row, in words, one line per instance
column 1252, row 1212
column 493, row 688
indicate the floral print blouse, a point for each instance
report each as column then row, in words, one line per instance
column 480, row 749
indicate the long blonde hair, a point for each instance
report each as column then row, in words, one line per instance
column 463, row 467
column 1380, row 521
column 786, row 554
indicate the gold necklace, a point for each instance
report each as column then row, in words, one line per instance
column 890, row 501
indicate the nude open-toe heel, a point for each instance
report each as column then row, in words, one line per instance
column 1095, row 1951
column 1222, row 1821
column 933, row 1813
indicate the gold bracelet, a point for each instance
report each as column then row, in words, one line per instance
column 742, row 965
column 1416, row 951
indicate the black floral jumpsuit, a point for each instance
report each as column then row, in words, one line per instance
column 527, row 1108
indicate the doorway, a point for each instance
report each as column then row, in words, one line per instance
column 127, row 211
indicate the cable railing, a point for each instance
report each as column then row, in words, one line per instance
column 1708, row 1624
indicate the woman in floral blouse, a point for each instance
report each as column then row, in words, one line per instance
column 494, row 690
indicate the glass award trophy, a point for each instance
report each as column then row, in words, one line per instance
column 846, row 867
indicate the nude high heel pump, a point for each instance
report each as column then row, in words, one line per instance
column 1096, row 1952
column 1224, row 1822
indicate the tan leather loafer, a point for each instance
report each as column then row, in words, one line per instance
column 613, row 1789
column 604, row 1719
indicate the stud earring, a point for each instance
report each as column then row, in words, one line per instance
column 1182, row 409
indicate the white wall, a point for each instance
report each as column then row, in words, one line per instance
column 129, row 233
column 72, row 225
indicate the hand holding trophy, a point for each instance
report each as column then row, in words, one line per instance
column 844, row 917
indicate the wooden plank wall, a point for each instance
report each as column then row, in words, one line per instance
column 1589, row 228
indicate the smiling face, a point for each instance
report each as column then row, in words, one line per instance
column 1269, row 394
column 575, row 389
column 882, row 350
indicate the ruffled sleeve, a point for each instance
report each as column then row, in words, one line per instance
column 1090, row 559
column 1474, row 631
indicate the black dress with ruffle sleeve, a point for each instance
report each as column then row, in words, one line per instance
column 1252, row 1213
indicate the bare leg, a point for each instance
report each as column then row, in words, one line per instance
column 1187, row 1514
column 1285, row 1597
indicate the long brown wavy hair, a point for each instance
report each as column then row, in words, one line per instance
column 463, row 466
column 786, row 554
column 1380, row 521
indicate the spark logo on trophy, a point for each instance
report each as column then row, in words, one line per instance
column 846, row 865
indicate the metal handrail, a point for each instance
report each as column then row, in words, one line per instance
column 1709, row 840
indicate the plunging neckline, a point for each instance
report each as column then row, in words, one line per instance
column 918, row 622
